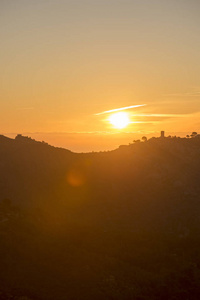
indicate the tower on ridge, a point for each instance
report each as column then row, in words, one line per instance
column 162, row 134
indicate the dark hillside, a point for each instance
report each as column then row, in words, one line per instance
column 28, row 168
column 117, row 225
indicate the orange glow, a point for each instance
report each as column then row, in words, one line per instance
column 63, row 84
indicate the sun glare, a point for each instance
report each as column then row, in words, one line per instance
column 119, row 120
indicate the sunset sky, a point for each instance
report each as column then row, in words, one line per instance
column 63, row 62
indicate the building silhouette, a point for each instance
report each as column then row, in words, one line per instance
column 162, row 134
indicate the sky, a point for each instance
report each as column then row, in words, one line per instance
column 63, row 62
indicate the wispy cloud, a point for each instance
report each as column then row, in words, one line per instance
column 159, row 115
column 118, row 109
column 194, row 93
column 144, row 122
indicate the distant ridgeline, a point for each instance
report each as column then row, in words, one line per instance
column 22, row 138
column 27, row 139
column 19, row 138
column 31, row 170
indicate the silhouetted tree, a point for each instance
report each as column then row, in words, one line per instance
column 136, row 141
column 144, row 138
column 193, row 134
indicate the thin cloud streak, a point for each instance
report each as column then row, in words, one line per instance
column 159, row 115
column 118, row 109
column 144, row 122
column 186, row 94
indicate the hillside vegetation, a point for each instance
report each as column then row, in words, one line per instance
column 118, row 225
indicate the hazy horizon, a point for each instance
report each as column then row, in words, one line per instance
column 91, row 141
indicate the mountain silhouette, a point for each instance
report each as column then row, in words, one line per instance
column 122, row 224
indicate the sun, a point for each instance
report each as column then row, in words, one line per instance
column 119, row 120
